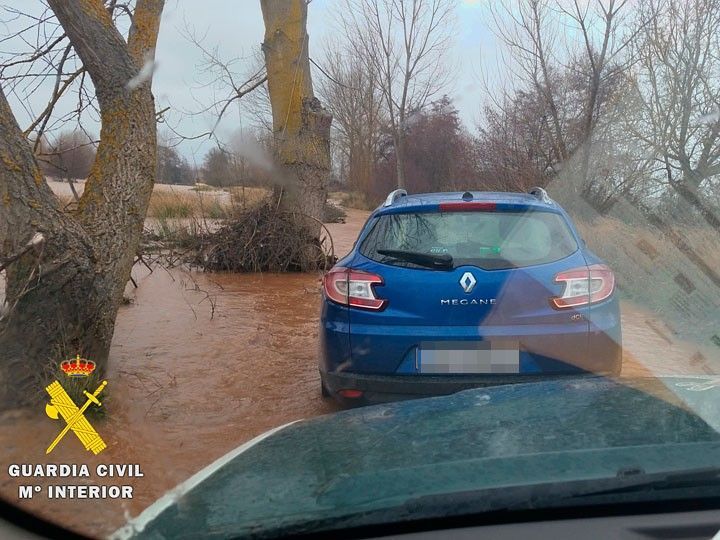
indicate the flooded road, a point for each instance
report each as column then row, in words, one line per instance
column 201, row 363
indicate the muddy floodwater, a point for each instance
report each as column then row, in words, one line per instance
column 186, row 385
column 201, row 363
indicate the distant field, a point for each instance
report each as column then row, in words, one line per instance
column 176, row 201
column 351, row 199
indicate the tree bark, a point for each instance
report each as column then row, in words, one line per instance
column 62, row 298
column 300, row 123
column 400, row 160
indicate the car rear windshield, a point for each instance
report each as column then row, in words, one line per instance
column 489, row 240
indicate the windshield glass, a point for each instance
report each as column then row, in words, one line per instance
column 274, row 267
column 491, row 240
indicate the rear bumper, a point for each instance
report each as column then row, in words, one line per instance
column 384, row 388
column 592, row 344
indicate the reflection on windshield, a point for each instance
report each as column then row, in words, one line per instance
column 240, row 293
column 484, row 239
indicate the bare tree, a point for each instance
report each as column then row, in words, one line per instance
column 352, row 95
column 229, row 83
column 531, row 38
column 618, row 167
column 574, row 85
column 605, row 38
column 514, row 147
column 47, row 54
column 69, row 156
column 404, row 43
column 300, row 124
column 63, row 292
column 679, row 89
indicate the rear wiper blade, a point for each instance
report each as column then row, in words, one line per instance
column 424, row 259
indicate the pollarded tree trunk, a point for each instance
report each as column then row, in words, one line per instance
column 40, row 305
column 63, row 295
column 300, row 124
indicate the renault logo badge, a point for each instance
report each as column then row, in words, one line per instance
column 467, row 282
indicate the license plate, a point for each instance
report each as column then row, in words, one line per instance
column 469, row 357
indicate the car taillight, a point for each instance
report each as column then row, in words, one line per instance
column 353, row 288
column 584, row 286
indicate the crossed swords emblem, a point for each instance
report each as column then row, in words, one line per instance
column 61, row 404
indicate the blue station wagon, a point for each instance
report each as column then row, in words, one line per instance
column 447, row 291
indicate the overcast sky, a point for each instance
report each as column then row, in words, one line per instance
column 235, row 27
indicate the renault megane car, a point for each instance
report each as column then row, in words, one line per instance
column 446, row 291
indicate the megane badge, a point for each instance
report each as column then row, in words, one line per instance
column 467, row 282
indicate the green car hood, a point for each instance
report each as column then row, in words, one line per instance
column 340, row 467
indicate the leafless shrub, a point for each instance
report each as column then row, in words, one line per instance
column 263, row 239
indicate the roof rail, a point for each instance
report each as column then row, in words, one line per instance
column 394, row 196
column 540, row 194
